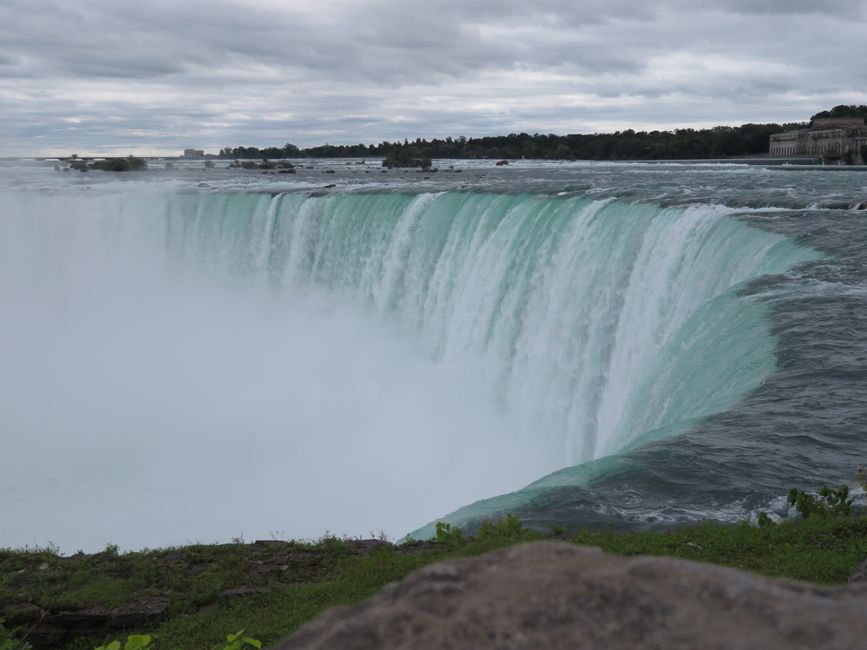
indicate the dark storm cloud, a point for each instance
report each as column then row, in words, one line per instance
column 160, row 75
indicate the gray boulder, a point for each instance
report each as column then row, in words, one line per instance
column 561, row 596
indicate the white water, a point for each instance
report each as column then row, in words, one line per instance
column 194, row 367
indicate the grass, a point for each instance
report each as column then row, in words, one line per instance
column 304, row 579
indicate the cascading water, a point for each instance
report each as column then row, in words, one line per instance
column 605, row 321
column 353, row 361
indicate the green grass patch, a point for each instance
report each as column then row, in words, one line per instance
column 270, row 589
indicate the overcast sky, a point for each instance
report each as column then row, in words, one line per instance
column 155, row 76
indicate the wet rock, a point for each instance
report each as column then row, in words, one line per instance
column 562, row 596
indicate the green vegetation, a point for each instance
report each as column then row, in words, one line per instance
column 238, row 641
column 267, row 165
column 843, row 111
column 128, row 164
column 718, row 142
column 406, row 157
column 133, row 642
column 10, row 642
column 270, row 588
column 828, row 503
column 681, row 144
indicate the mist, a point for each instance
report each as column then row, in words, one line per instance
column 144, row 404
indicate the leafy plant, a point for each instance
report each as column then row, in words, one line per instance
column 509, row 527
column 448, row 534
column 238, row 641
column 828, row 503
column 235, row 641
column 131, row 163
column 9, row 642
column 764, row 520
column 133, row 642
column 406, row 157
column 331, row 544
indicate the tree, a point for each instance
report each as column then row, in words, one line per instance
column 843, row 110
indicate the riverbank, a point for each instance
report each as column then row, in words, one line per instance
column 193, row 596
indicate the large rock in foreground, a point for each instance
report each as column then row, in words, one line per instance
column 556, row 595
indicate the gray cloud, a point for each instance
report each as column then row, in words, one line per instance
column 122, row 75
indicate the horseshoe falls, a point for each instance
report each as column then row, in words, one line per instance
column 588, row 312
column 194, row 362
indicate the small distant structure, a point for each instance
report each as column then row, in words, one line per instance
column 194, row 154
column 836, row 140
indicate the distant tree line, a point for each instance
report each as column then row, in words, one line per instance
column 843, row 111
column 680, row 144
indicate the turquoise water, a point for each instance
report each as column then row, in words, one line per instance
column 609, row 324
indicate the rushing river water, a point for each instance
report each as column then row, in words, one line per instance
column 197, row 354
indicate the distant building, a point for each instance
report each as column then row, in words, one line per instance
column 836, row 140
column 194, row 154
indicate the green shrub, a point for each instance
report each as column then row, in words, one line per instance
column 828, row 503
column 406, row 157
column 235, row 641
column 509, row 527
column 133, row 642
column 130, row 164
column 448, row 534
column 238, row 641
column 765, row 520
column 9, row 642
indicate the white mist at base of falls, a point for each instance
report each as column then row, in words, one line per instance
column 193, row 367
